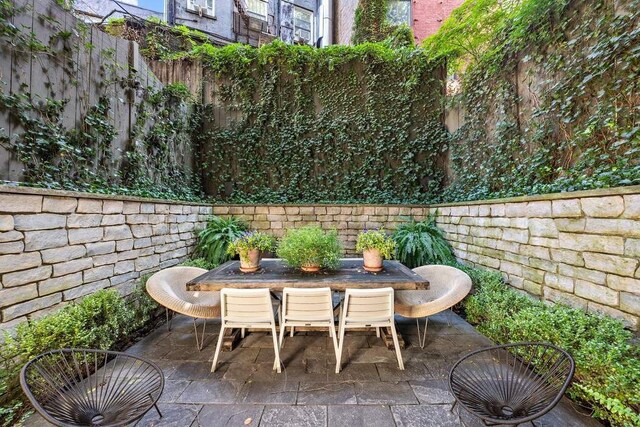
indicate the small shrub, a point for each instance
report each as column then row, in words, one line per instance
column 249, row 241
column 607, row 362
column 310, row 246
column 200, row 263
column 422, row 243
column 376, row 239
column 215, row 238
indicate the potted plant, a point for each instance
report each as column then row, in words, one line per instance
column 250, row 246
column 375, row 245
column 310, row 248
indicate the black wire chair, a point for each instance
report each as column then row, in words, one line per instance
column 511, row 384
column 81, row 387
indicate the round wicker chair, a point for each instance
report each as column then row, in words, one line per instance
column 169, row 288
column 79, row 387
column 511, row 384
column 447, row 287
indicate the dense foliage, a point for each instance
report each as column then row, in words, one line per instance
column 103, row 320
column 213, row 241
column 342, row 123
column 249, row 241
column 370, row 23
column 310, row 246
column 376, row 239
column 88, row 153
column 549, row 93
column 422, row 243
column 607, row 361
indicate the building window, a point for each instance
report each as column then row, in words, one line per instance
column 303, row 24
column 399, row 12
column 201, row 7
column 257, row 9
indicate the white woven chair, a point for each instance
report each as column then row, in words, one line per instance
column 247, row 308
column 366, row 308
column 447, row 287
column 308, row 307
column 169, row 289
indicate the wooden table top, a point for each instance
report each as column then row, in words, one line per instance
column 276, row 275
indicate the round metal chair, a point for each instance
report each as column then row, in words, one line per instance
column 511, row 384
column 80, row 387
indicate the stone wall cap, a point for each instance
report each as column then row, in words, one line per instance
column 582, row 194
column 20, row 189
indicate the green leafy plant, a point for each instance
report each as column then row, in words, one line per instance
column 200, row 263
column 607, row 360
column 310, row 246
column 103, row 320
column 214, row 240
column 376, row 239
column 422, row 243
column 249, row 241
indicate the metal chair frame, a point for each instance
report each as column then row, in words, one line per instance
column 81, row 391
column 560, row 368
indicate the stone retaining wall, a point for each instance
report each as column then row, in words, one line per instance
column 580, row 248
column 58, row 246
column 349, row 220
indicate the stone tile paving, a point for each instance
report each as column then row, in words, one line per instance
column 369, row 391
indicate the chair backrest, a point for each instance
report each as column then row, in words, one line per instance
column 447, row 284
column 312, row 304
column 246, row 306
column 368, row 304
column 171, row 282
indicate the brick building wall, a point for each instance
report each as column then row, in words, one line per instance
column 428, row 16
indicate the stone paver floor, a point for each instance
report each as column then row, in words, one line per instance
column 370, row 391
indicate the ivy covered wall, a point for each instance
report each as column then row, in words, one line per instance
column 549, row 93
column 79, row 109
column 342, row 124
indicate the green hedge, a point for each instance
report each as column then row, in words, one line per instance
column 103, row 320
column 607, row 362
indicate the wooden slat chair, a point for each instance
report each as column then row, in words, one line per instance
column 367, row 308
column 247, row 308
column 308, row 307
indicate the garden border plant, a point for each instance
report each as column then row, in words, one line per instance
column 607, row 374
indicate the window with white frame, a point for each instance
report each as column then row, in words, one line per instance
column 257, row 9
column 399, row 12
column 303, row 24
column 201, row 7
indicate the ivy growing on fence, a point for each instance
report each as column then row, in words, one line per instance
column 347, row 124
column 86, row 154
column 580, row 127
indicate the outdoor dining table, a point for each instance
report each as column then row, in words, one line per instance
column 275, row 275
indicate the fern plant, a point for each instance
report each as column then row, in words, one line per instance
column 214, row 240
column 422, row 243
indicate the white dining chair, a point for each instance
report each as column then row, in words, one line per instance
column 308, row 307
column 367, row 308
column 247, row 308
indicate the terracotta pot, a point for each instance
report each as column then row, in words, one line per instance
column 251, row 262
column 310, row 268
column 372, row 260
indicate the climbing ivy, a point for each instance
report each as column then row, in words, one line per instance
column 340, row 124
column 370, row 23
column 88, row 154
column 580, row 129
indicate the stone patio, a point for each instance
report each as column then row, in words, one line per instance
column 370, row 391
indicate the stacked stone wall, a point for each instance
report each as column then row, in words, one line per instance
column 57, row 246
